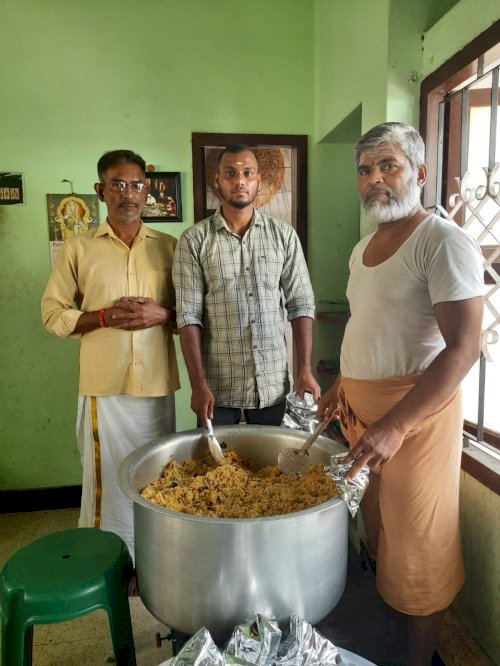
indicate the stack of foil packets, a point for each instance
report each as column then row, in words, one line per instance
column 259, row 642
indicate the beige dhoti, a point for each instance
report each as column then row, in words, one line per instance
column 419, row 555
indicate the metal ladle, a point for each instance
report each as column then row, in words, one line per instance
column 295, row 461
column 214, row 445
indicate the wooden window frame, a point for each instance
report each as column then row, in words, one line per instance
column 460, row 67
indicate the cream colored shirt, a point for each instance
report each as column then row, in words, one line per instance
column 93, row 271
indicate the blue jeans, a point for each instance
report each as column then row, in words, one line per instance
column 266, row 416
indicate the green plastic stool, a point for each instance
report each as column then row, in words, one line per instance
column 63, row 576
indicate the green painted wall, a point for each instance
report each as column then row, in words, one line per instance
column 80, row 78
column 465, row 21
column 345, row 79
column 350, row 62
column 334, row 231
column 407, row 23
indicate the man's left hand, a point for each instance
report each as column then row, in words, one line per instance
column 378, row 444
column 306, row 382
column 144, row 313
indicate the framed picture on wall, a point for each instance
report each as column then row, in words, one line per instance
column 11, row 188
column 282, row 167
column 164, row 203
column 70, row 215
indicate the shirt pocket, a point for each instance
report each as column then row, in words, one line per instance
column 270, row 267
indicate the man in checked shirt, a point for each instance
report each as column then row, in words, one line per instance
column 233, row 274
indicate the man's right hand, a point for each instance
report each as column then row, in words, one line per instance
column 113, row 317
column 202, row 403
column 118, row 316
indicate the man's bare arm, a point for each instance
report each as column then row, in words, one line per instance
column 202, row 400
column 302, row 336
column 328, row 404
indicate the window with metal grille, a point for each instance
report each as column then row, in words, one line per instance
column 461, row 125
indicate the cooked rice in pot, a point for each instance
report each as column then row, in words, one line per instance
column 237, row 488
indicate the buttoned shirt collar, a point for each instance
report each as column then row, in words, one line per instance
column 220, row 222
column 105, row 229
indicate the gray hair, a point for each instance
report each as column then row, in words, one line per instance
column 405, row 136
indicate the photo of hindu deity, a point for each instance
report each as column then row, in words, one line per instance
column 69, row 216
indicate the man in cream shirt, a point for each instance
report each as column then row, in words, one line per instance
column 119, row 278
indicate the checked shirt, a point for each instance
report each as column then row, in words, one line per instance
column 237, row 290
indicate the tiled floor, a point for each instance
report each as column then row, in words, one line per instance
column 360, row 623
column 85, row 641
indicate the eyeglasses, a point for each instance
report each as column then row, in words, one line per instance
column 121, row 185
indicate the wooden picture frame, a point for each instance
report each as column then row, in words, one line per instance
column 164, row 203
column 205, row 145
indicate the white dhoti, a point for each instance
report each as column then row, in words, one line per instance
column 107, row 430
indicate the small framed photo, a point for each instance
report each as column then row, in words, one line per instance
column 164, row 203
column 11, row 188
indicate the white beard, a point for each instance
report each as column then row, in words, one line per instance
column 396, row 208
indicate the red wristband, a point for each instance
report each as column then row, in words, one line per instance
column 101, row 319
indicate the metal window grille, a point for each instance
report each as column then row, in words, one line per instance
column 475, row 205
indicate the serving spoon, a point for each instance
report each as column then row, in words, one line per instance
column 214, row 445
column 295, row 461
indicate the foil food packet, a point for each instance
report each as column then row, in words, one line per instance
column 304, row 646
column 258, row 643
column 350, row 491
column 300, row 413
column 200, row 650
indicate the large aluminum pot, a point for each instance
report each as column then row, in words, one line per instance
column 194, row 571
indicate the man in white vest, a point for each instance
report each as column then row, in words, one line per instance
column 415, row 293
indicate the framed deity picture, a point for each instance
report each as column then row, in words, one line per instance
column 164, row 202
column 70, row 215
